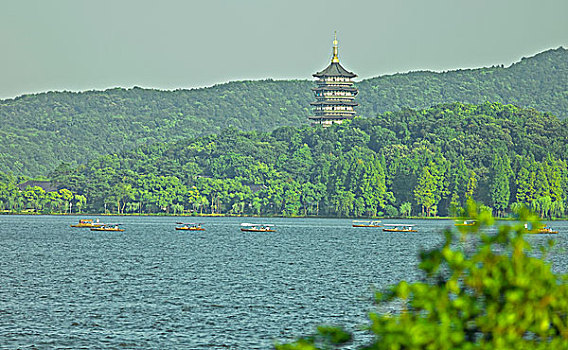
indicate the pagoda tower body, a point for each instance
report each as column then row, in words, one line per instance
column 335, row 93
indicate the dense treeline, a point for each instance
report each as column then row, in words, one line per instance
column 37, row 132
column 412, row 162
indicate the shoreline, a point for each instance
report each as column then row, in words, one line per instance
column 267, row 216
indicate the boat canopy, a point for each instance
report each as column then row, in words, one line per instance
column 265, row 225
column 398, row 225
column 366, row 222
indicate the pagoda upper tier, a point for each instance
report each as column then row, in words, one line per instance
column 335, row 70
column 334, row 93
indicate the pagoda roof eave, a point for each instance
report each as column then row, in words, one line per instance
column 331, row 117
column 335, row 70
column 335, row 88
column 347, row 103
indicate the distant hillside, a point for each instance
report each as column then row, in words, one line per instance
column 38, row 132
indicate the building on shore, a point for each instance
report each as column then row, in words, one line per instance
column 47, row 186
column 335, row 93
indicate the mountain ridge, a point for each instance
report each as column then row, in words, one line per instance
column 560, row 48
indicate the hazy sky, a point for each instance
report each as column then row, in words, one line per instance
column 85, row 45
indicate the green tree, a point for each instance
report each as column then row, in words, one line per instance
column 499, row 183
column 122, row 193
column 459, row 180
column 345, row 202
column 177, row 208
column 525, row 183
column 80, row 202
column 405, row 209
column 54, row 201
column 425, row 191
column 33, row 196
column 67, row 197
column 471, row 185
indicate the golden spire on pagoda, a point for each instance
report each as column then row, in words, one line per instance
column 335, row 59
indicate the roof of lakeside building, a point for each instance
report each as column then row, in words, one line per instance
column 47, row 186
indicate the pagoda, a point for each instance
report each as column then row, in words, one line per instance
column 334, row 93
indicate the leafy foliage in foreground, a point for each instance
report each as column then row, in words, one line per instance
column 481, row 291
column 424, row 162
column 38, row 132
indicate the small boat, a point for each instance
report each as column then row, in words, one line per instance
column 466, row 223
column 191, row 226
column 545, row 230
column 366, row 223
column 542, row 230
column 108, row 227
column 246, row 227
column 88, row 223
column 399, row 228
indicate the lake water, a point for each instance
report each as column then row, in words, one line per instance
column 153, row 287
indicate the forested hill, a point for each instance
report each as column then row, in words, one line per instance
column 427, row 161
column 540, row 82
column 37, row 132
